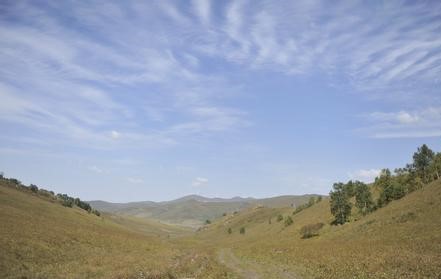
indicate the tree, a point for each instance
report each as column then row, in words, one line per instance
column 384, row 182
column 391, row 187
column 207, row 222
column 349, row 188
column 435, row 167
column 363, row 198
column 230, row 231
column 422, row 160
column 242, row 230
column 340, row 204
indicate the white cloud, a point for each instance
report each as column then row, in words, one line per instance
column 365, row 175
column 199, row 181
column 404, row 124
column 135, row 180
column 115, row 135
column 95, row 169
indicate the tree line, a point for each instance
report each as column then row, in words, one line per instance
column 425, row 168
column 63, row 199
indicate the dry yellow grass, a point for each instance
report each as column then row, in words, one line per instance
column 402, row 240
column 40, row 239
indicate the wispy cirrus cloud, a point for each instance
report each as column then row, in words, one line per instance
column 404, row 124
column 88, row 69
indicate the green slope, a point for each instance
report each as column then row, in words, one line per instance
column 193, row 211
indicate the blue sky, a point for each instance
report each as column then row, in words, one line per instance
column 133, row 100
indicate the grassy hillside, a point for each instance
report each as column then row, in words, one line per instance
column 42, row 239
column 39, row 238
column 194, row 210
column 401, row 240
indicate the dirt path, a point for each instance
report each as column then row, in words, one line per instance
column 250, row 270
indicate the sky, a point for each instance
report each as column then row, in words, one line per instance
column 152, row 100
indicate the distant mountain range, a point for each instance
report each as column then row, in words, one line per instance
column 194, row 210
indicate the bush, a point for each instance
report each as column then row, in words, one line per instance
column 279, row 217
column 311, row 230
column 288, row 221
column 207, row 222
column 33, row 188
column 242, row 230
column 230, row 231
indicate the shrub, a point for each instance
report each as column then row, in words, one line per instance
column 288, row 221
column 279, row 217
column 230, row 231
column 33, row 188
column 311, row 230
column 242, row 230
column 96, row 212
column 207, row 222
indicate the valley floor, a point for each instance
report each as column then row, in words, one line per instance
column 41, row 239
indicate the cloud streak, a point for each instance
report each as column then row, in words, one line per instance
column 422, row 123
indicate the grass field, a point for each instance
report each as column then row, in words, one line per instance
column 402, row 240
column 42, row 239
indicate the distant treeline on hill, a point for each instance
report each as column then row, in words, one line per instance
column 425, row 168
column 63, row 199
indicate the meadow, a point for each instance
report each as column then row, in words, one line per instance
column 39, row 238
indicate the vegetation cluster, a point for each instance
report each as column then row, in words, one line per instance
column 63, row 199
column 425, row 168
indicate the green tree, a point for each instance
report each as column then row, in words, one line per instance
column 435, row 167
column 392, row 188
column 422, row 160
column 363, row 198
column 349, row 188
column 340, row 204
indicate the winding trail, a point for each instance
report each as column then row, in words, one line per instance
column 250, row 270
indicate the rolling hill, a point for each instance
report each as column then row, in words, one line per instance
column 194, row 210
column 401, row 240
column 40, row 238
